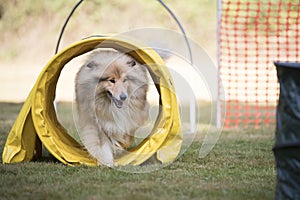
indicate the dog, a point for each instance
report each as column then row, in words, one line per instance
column 111, row 99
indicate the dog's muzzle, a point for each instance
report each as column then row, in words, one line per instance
column 117, row 102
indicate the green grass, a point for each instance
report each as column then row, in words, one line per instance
column 241, row 166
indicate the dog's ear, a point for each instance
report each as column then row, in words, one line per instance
column 91, row 64
column 131, row 63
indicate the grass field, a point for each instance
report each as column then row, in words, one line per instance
column 241, row 166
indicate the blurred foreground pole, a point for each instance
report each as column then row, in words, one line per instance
column 287, row 137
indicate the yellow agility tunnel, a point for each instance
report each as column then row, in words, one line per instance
column 37, row 120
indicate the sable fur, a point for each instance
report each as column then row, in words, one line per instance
column 111, row 89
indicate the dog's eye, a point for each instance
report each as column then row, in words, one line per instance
column 112, row 80
column 125, row 79
column 131, row 63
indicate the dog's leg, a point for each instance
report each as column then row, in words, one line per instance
column 98, row 145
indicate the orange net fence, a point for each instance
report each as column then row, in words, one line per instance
column 252, row 35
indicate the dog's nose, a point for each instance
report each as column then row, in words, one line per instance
column 123, row 96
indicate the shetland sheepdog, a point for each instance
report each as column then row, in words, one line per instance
column 111, row 89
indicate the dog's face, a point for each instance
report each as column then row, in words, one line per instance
column 115, row 81
column 115, row 77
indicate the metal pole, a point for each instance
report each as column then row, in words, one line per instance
column 218, row 103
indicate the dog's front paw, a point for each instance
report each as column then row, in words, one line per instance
column 104, row 155
column 106, row 163
column 106, row 158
